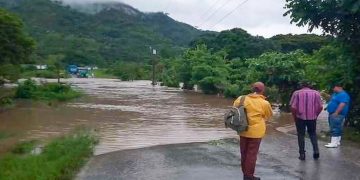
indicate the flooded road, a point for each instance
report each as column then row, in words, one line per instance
column 132, row 115
column 126, row 115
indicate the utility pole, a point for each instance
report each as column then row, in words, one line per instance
column 153, row 67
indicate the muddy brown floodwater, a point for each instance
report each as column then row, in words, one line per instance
column 126, row 115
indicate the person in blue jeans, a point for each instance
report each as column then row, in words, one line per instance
column 338, row 108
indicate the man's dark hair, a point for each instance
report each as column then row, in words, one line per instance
column 305, row 83
column 337, row 84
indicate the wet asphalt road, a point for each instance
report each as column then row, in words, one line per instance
column 220, row 160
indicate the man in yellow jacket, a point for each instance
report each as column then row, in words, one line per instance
column 258, row 110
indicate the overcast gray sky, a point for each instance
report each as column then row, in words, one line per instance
column 258, row 17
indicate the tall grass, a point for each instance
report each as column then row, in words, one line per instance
column 49, row 91
column 60, row 159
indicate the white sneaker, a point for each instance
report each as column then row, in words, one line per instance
column 333, row 143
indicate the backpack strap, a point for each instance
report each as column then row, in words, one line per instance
column 242, row 100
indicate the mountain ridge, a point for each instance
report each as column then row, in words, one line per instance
column 109, row 33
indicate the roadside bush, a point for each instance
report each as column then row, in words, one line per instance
column 49, row 91
column 26, row 89
column 55, row 91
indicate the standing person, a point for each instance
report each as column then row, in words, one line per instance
column 258, row 110
column 306, row 105
column 338, row 108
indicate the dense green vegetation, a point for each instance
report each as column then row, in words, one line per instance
column 125, row 71
column 283, row 71
column 130, row 71
column 15, row 46
column 305, row 42
column 47, row 92
column 104, row 73
column 60, row 159
column 198, row 66
column 214, row 73
column 100, row 33
column 342, row 20
column 277, row 61
column 237, row 43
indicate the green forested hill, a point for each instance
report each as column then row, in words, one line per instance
column 306, row 42
column 237, row 43
column 240, row 44
column 99, row 33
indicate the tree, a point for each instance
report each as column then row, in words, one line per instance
column 306, row 42
column 129, row 71
column 321, row 67
column 340, row 18
column 284, row 71
column 15, row 46
column 55, row 63
column 208, row 70
column 237, row 43
column 238, row 70
column 198, row 66
column 336, row 17
column 170, row 72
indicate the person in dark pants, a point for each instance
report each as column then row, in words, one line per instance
column 306, row 105
column 258, row 110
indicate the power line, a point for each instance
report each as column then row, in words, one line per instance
column 228, row 14
column 215, row 12
column 209, row 9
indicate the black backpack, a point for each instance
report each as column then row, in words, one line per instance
column 236, row 118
